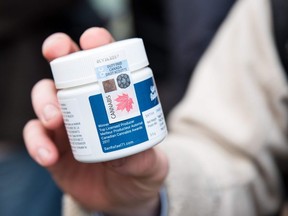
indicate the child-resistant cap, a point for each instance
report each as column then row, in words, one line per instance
column 79, row 68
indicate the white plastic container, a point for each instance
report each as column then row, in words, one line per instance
column 109, row 101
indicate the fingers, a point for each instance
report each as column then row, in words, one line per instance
column 95, row 37
column 60, row 44
column 45, row 103
column 57, row 45
column 44, row 94
column 150, row 163
column 44, row 97
column 38, row 143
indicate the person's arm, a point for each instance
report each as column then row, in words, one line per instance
column 231, row 126
column 228, row 128
column 127, row 186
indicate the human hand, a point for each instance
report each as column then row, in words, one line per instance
column 127, row 186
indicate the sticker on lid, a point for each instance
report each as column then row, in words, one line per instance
column 117, row 87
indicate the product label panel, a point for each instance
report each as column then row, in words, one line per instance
column 73, row 123
column 117, row 90
column 149, row 124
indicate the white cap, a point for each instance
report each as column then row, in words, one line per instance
column 79, row 68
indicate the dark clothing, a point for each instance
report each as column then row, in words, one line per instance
column 26, row 188
column 280, row 27
column 24, row 26
column 176, row 34
column 280, row 32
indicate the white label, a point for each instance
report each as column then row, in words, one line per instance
column 154, row 121
column 72, row 119
column 117, row 88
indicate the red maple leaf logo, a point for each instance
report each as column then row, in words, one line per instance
column 124, row 102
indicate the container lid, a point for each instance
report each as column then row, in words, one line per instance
column 80, row 67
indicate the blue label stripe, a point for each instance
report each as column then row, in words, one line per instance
column 125, row 133
column 143, row 92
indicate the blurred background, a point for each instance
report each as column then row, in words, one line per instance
column 175, row 34
column 118, row 16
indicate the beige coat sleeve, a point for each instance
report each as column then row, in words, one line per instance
column 230, row 124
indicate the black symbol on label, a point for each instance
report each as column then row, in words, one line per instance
column 123, row 81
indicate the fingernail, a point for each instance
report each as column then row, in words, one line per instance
column 43, row 156
column 50, row 112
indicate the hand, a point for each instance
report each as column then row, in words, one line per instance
column 127, row 186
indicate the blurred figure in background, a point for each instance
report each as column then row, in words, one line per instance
column 118, row 15
column 176, row 34
column 172, row 54
column 27, row 189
